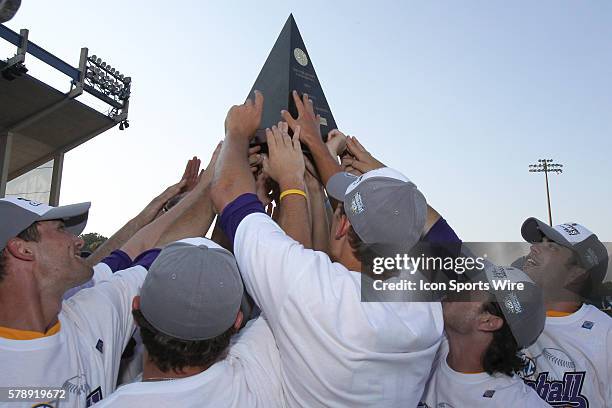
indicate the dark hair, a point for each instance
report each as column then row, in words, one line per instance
column 502, row 354
column 169, row 353
column 29, row 234
column 361, row 251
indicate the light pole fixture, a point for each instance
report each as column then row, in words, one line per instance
column 546, row 166
column 109, row 85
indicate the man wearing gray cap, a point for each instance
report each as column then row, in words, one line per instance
column 570, row 364
column 336, row 350
column 72, row 348
column 189, row 313
column 485, row 330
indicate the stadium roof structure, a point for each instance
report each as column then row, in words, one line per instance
column 38, row 123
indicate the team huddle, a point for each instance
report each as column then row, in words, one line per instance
column 269, row 310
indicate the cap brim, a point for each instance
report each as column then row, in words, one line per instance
column 533, row 230
column 74, row 216
column 338, row 184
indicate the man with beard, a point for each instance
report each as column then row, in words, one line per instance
column 485, row 330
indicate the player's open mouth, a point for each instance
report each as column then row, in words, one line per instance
column 530, row 261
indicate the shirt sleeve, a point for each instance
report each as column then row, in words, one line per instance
column 147, row 258
column 117, row 261
column 233, row 213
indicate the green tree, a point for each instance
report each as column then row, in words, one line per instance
column 92, row 241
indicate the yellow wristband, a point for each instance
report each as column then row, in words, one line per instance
column 292, row 191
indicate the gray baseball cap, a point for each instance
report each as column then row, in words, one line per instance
column 591, row 252
column 193, row 290
column 17, row 214
column 523, row 310
column 383, row 206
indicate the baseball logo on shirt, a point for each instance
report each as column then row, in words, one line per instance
column 554, row 356
column 558, row 392
column 77, row 385
column 558, row 358
column 529, row 367
column 564, row 393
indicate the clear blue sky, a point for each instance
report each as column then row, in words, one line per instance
column 460, row 96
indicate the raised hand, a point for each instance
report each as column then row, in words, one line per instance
column 360, row 159
column 255, row 158
column 243, row 120
column 346, row 162
column 336, row 143
column 207, row 174
column 285, row 163
column 307, row 120
column 190, row 175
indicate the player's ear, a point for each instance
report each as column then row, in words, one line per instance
column 488, row 322
column 21, row 249
column 343, row 227
column 238, row 321
column 136, row 303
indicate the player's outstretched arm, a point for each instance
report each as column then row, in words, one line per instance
column 309, row 123
column 196, row 215
column 149, row 213
column 317, row 201
column 190, row 217
column 285, row 165
column 232, row 176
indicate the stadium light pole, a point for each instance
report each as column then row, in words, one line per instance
column 546, row 166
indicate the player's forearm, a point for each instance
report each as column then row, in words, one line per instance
column 294, row 219
column 194, row 218
column 232, row 173
column 325, row 163
column 172, row 224
column 318, row 217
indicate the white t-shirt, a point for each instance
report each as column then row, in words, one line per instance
column 335, row 350
column 83, row 357
column 249, row 376
column 101, row 272
column 571, row 362
column 448, row 388
column 131, row 368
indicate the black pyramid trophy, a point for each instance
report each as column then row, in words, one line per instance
column 289, row 67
